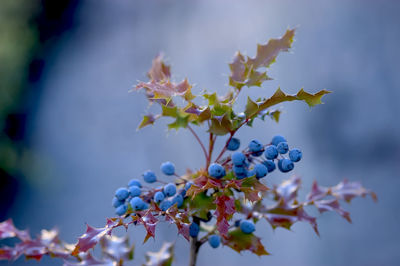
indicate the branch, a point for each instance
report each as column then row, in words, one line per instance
column 199, row 141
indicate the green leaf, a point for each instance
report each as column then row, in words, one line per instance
column 180, row 122
column 147, row 120
column 254, row 108
column 169, row 111
column 239, row 241
column 201, row 204
column 221, row 125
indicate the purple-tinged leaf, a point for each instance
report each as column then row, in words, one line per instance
column 163, row 257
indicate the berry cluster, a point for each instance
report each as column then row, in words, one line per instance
column 132, row 198
column 247, row 163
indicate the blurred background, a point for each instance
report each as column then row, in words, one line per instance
column 68, row 134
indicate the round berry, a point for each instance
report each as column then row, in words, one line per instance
column 149, row 176
column 159, row 196
column 277, row 139
column 233, row 144
column 165, row 205
column 122, row 193
column 295, row 155
column 178, row 199
column 255, row 146
column 194, row 230
column 134, row 182
column 271, row 152
column 270, row 165
column 261, row 170
column 247, row 226
column 169, row 189
column 214, row 241
column 238, row 158
column 138, row 204
column 216, row 170
column 251, row 173
column 135, row 191
column 116, row 202
column 282, row 147
column 121, row 210
column 188, row 185
column 168, row 168
column 285, row 165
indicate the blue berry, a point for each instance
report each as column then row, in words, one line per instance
column 194, row 230
column 159, row 196
column 169, row 189
column 255, row 146
column 178, row 199
column 149, row 176
column 285, row 165
column 122, row 193
column 116, row 202
column 277, row 139
column 138, row 204
column 135, row 191
column 239, row 170
column 251, row 173
column 216, row 170
column 295, row 155
column 188, row 185
column 233, row 144
column 270, row 165
column 282, row 147
column 168, row 168
column 214, row 241
column 121, row 210
column 165, row 205
column 238, row 158
column 271, row 152
column 261, row 170
column 257, row 153
column 134, row 182
column 247, row 226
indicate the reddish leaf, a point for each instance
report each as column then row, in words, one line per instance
column 117, row 248
column 346, row 190
column 8, row 230
column 224, row 211
column 332, row 205
column 252, row 188
column 159, row 70
column 89, row 260
column 239, row 241
column 201, row 184
column 163, row 257
column 93, row 235
column 149, row 222
column 287, row 190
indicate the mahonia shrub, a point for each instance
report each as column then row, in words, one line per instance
column 219, row 203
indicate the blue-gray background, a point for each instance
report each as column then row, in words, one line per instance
column 83, row 130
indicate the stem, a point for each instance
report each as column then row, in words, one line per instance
column 194, row 250
column 210, row 149
column 199, row 141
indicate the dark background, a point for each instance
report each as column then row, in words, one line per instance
column 68, row 123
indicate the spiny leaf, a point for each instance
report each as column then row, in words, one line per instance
column 89, row 260
column 253, row 108
column 252, row 188
column 147, row 120
column 224, row 211
column 331, row 205
column 159, row 70
column 221, row 125
column 239, row 241
column 8, row 230
column 287, row 190
column 163, row 257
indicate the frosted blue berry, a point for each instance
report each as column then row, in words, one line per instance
column 270, row 165
column 255, row 146
column 149, row 176
column 277, row 139
column 271, row 152
column 121, row 210
column 169, row 189
column 247, row 226
column 295, row 155
column 159, row 196
column 240, row 171
column 214, row 241
column 134, row 182
column 116, row 202
column 285, row 165
column 216, row 170
column 194, row 230
column 165, row 205
column 168, row 168
column 188, row 185
column 233, row 144
column 138, row 204
column 135, row 191
column 178, row 199
column 122, row 193
column 238, row 158
column 282, row 147
column 261, row 170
